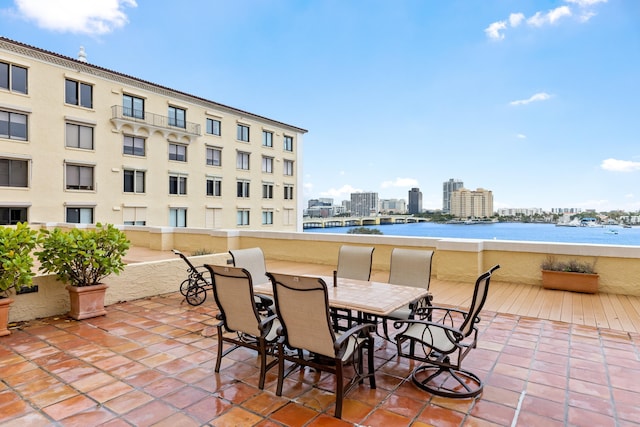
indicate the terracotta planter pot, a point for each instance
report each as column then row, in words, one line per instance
column 4, row 316
column 87, row 301
column 567, row 281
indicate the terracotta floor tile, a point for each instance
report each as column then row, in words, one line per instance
column 162, row 386
column 264, row 403
column 383, row 417
column 110, row 391
column 238, row 393
column 592, row 403
column 293, row 414
column 404, row 406
column 494, row 412
column 126, row 402
column 69, row 407
column 583, row 418
column 186, row 396
column 14, row 409
column 237, row 416
column 31, row 419
column 92, row 382
column 96, row 417
column 439, row 416
column 52, row 395
column 208, row 409
column 178, row 420
column 149, row 414
column 317, row 399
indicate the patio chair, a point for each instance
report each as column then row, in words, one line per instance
column 252, row 260
column 241, row 325
column 354, row 262
column 409, row 267
column 302, row 306
column 445, row 341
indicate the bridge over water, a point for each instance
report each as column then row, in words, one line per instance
column 359, row 221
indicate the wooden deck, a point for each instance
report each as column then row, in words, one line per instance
column 607, row 311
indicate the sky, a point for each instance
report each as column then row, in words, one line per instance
column 535, row 100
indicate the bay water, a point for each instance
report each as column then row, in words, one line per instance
column 530, row 232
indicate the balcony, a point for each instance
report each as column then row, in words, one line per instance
column 153, row 123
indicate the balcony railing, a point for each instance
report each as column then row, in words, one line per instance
column 154, row 120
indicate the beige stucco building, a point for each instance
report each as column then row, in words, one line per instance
column 472, row 203
column 83, row 144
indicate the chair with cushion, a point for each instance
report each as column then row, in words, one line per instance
column 409, row 267
column 302, row 305
column 354, row 262
column 252, row 260
column 442, row 344
column 241, row 325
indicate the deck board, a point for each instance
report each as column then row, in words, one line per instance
column 609, row 311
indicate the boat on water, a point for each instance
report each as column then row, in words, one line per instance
column 590, row 222
column 611, row 231
column 575, row 222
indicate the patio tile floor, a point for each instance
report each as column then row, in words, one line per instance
column 150, row 363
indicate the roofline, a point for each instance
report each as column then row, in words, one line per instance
column 165, row 88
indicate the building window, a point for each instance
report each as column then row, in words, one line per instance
column 214, row 156
column 267, row 138
column 267, row 191
column 12, row 215
column 133, row 181
column 78, row 93
column 288, row 192
column 80, row 215
column 243, row 217
column 243, row 189
column 14, row 173
column 132, row 106
column 13, row 78
column 13, row 125
column 177, row 184
column 134, row 215
column 288, row 167
column 177, row 217
column 288, row 143
column 242, row 160
column 243, row 133
column 214, row 187
column 213, row 127
column 177, row 117
column 79, row 136
column 133, row 145
column 267, row 217
column 79, row 177
column 178, row 152
column 267, row 164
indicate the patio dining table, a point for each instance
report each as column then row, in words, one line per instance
column 372, row 298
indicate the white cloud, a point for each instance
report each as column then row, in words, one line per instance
column 94, row 17
column 616, row 165
column 585, row 3
column 400, row 182
column 541, row 96
column 521, row 136
column 493, row 30
column 540, row 19
column 515, row 19
column 339, row 194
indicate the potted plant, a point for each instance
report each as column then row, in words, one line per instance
column 571, row 275
column 16, row 263
column 82, row 258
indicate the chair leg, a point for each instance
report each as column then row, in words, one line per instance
column 280, row 369
column 220, row 343
column 339, row 389
column 262, row 353
column 370, row 350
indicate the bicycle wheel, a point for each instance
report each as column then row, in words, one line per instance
column 196, row 295
column 184, row 287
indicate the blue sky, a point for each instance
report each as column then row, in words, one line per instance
column 536, row 100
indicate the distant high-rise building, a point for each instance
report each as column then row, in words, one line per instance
column 364, row 204
column 472, row 204
column 395, row 206
column 449, row 187
column 415, row 201
column 320, row 202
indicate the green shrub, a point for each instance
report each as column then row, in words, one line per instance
column 16, row 261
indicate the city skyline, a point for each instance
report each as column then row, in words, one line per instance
column 536, row 101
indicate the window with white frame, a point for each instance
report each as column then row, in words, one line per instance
column 242, row 160
column 177, row 152
column 288, row 216
column 177, row 217
column 213, row 127
column 78, row 93
column 78, row 215
column 13, row 125
column 177, row 184
column 267, row 190
column 288, row 167
column 132, row 106
column 242, row 189
column 134, row 181
column 267, row 138
column 214, row 186
column 79, row 177
column 267, row 164
column 134, row 215
column 267, row 217
column 243, row 217
column 288, row 192
column 134, row 146
column 243, row 133
column 14, row 173
column 214, row 156
column 11, row 215
column 79, row 136
column 177, row 117
column 288, row 143
column 13, row 78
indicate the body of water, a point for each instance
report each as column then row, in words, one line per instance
column 610, row 235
